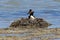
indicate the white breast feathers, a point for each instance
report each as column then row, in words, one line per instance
column 32, row 17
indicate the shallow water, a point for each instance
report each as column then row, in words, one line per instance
column 33, row 38
column 54, row 39
column 13, row 35
column 27, row 34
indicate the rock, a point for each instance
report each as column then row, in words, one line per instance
column 25, row 23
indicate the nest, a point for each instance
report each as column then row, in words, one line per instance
column 28, row 23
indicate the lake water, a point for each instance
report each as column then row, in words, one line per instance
column 11, row 10
column 33, row 38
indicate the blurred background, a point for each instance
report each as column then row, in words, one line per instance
column 11, row 10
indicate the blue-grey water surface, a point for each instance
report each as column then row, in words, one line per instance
column 11, row 10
